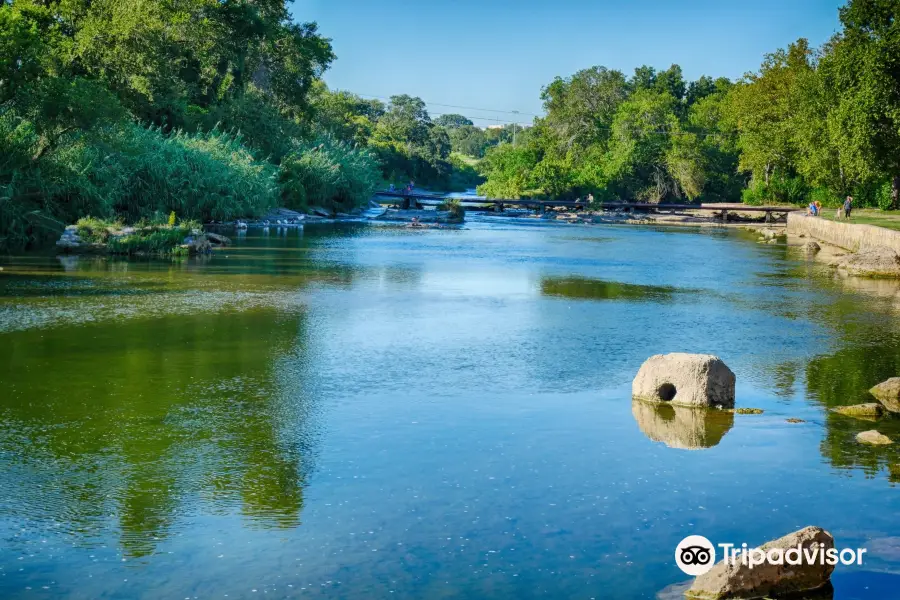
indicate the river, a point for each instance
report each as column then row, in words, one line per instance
column 356, row 411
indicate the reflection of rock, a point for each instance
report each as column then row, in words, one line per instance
column 682, row 426
column 869, row 410
column 888, row 393
column 767, row 579
column 873, row 437
column 686, row 379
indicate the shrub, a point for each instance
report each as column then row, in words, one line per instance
column 790, row 190
column 330, row 174
column 825, row 196
column 454, row 207
column 753, row 194
column 126, row 171
column 883, row 197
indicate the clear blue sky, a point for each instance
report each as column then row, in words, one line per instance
column 498, row 54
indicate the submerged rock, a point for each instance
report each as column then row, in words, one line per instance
column 888, row 393
column 795, row 420
column 726, row 580
column 218, row 240
column 868, row 410
column 880, row 262
column 682, row 427
column 811, row 247
column 685, row 379
column 873, row 438
column 748, row 411
column 197, row 244
column 319, row 211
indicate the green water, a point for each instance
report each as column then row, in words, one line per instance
column 370, row 412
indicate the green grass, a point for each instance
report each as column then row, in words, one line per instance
column 147, row 239
column 868, row 216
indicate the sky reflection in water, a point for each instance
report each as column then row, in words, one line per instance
column 359, row 412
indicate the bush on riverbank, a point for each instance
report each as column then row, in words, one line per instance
column 113, row 237
column 128, row 172
column 334, row 175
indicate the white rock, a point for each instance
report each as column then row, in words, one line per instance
column 685, row 379
column 739, row 580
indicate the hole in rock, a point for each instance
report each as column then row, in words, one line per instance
column 666, row 392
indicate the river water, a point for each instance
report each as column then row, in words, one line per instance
column 371, row 412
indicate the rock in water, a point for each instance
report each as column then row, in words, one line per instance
column 888, row 393
column 726, row 580
column 873, row 437
column 881, row 262
column 319, row 211
column 686, row 380
column 811, row 247
column 868, row 410
column 218, row 240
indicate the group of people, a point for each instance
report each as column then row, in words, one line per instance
column 815, row 209
column 408, row 189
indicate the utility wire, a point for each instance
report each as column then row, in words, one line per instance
column 512, row 112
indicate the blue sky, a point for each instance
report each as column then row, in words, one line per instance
column 497, row 54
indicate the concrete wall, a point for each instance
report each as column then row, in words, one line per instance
column 845, row 235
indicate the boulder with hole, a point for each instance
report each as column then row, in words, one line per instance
column 685, row 379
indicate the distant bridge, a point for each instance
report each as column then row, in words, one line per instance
column 498, row 204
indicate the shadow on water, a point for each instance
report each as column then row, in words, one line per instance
column 583, row 288
column 143, row 419
column 680, row 426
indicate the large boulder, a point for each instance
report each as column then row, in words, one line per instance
column 869, row 410
column 700, row 380
column 739, row 580
column 888, row 393
column 811, row 247
column 878, row 262
column 682, row 427
column 873, row 438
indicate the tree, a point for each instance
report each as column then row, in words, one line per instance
column 642, row 154
column 671, row 81
column 863, row 69
column 762, row 108
column 580, row 109
column 453, row 121
column 507, row 169
column 468, row 140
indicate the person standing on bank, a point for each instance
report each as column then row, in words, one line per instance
column 848, row 206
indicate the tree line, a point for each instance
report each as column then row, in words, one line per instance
column 213, row 109
column 810, row 124
column 216, row 109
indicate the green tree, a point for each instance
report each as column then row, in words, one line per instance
column 580, row 109
column 453, row 121
column 862, row 69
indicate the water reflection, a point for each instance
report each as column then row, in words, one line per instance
column 583, row 288
column 178, row 414
column 682, row 427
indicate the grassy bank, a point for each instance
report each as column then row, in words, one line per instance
column 868, row 216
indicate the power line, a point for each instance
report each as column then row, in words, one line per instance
column 512, row 112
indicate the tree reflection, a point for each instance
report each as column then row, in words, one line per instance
column 147, row 418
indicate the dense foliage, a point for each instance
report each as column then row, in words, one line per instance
column 215, row 109
column 809, row 125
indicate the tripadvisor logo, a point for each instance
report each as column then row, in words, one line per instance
column 696, row 555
